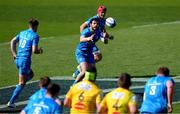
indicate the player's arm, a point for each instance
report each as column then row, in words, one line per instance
column 13, row 47
column 86, row 39
column 83, row 26
column 170, row 93
column 35, row 48
column 133, row 105
column 102, row 108
column 68, row 99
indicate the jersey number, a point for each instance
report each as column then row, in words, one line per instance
column 152, row 90
column 37, row 110
column 22, row 43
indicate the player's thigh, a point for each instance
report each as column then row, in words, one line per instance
column 81, row 56
column 84, row 66
column 24, row 67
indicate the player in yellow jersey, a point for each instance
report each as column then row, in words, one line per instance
column 84, row 97
column 120, row 100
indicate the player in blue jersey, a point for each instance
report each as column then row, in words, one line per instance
column 101, row 13
column 28, row 43
column 84, row 55
column 158, row 93
column 46, row 105
column 43, row 84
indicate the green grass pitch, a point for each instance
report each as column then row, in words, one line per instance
column 146, row 36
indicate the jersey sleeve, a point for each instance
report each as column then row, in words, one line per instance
column 84, row 33
column 69, row 94
column 35, row 40
column 133, row 100
column 17, row 37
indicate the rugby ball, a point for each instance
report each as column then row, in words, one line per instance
column 110, row 22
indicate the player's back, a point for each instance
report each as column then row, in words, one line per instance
column 118, row 101
column 155, row 94
column 43, row 106
column 26, row 39
column 85, row 95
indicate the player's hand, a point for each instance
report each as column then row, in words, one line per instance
column 91, row 37
column 170, row 109
column 14, row 57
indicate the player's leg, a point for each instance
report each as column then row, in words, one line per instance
column 25, row 74
column 76, row 72
column 84, row 67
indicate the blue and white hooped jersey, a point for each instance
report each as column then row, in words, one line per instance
column 155, row 94
column 26, row 39
column 87, row 46
column 101, row 22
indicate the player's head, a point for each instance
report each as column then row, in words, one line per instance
column 164, row 71
column 124, row 80
column 101, row 11
column 94, row 23
column 91, row 74
column 53, row 90
column 44, row 82
column 33, row 24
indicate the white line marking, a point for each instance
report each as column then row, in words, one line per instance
column 63, row 96
column 151, row 25
column 99, row 79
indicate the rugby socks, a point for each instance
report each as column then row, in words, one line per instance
column 16, row 93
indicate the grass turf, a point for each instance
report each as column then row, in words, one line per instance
column 138, row 51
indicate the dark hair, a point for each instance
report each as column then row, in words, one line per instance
column 44, row 81
column 124, row 80
column 53, row 89
column 33, row 22
column 94, row 19
column 163, row 70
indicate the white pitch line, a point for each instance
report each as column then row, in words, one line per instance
column 151, row 25
column 63, row 96
column 99, row 79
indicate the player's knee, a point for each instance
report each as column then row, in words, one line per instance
column 98, row 57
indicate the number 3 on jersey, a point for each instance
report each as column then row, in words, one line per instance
column 22, row 43
column 152, row 90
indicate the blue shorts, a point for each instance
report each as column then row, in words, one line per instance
column 23, row 65
column 84, row 56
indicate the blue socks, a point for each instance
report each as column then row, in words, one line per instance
column 16, row 93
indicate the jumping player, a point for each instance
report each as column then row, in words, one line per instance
column 28, row 43
column 101, row 13
column 84, row 55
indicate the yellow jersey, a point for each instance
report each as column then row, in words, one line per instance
column 84, row 97
column 118, row 100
